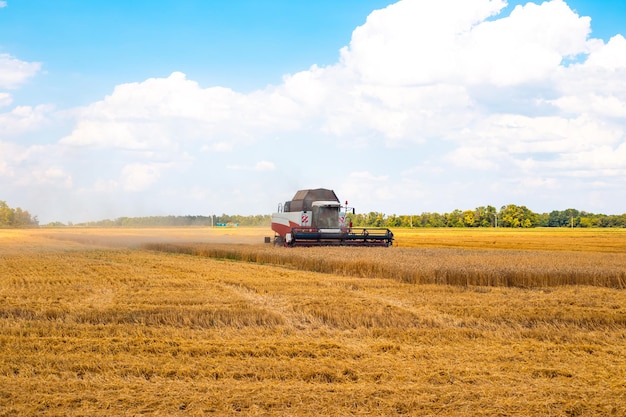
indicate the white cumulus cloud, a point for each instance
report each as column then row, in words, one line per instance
column 426, row 42
column 164, row 112
column 23, row 119
column 53, row 175
column 14, row 72
column 5, row 99
column 139, row 176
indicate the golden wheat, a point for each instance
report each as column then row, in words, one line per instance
column 510, row 268
column 90, row 329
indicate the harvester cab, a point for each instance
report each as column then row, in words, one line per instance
column 317, row 218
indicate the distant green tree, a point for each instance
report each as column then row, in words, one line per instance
column 15, row 217
column 22, row 218
column 393, row 221
column 469, row 218
column 6, row 214
column 586, row 222
column 490, row 218
column 517, row 216
column 481, row 217
column 455, row 219
column 436, row 220
column 564, row 218
column 543, row 219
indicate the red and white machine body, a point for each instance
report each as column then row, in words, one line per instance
column 316, row 217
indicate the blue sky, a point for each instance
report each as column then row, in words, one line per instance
column 120, row 108
column 244, row 45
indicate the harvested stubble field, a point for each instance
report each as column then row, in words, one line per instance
column 128, row 322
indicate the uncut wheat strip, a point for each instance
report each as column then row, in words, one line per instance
column 443, row 266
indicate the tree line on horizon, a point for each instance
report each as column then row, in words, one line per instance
column 511, row 216
column 15, row 217
column 176, row 221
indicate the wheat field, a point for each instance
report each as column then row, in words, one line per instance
column 212, row 322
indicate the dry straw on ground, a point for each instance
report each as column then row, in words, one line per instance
column 89, row 327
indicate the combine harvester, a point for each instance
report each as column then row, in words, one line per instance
column 317, row 218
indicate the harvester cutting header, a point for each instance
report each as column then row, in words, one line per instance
column 317, row 218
